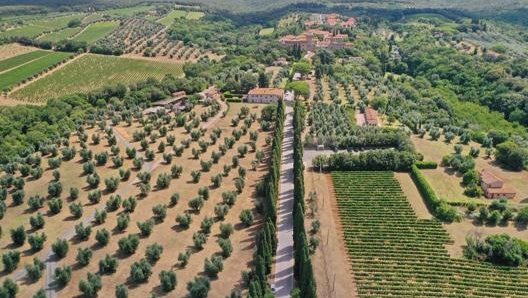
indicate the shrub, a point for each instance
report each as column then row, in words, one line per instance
column 221, row 211
column 153, row 252
column 239, row 184
column 426, row 165
column 184, row 220
column 196, row 204
column 122, row 222
column 10, row 260
column 112, row 184
column 55, row 205
column 108, row 265
column 199, row 240
column 82, row 232
column 91, row 286
column 84, row 256
column 36, row 241
column 163, row 181
column 140, row 271
column 229, row 198
column 129, row 205
column 175, row 197
column 35, row 202
column 37, row 222
column 102, row 236
column 168, row 280
column 176, row 171
column 522, row 216
column 63, row 275
column 199, row 287
column 121, row 291
column 95, row 196
column 128, row 245
column 246, row 217
column 34, row 271
column 226, row 230
column 74, row 193
column 213, row 267
column 227, row 248
column 18, row 236
column 196, row 176
column 184, row 258
column 146, row 227
column 100, row 217
column 76, row 210
column 160, row 212
column 60, row 248
column 18, row 197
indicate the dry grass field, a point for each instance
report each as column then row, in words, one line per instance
column 447, row 184
column 13, row 49
column 172, row 237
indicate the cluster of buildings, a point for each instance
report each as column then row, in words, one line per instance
column 493, row 186
column 315, row 38
column 333, row 20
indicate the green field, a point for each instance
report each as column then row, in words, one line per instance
column 93, row 71
column 128, row 11
column 32, row 28
column 96, row 31
column 194, row 15
column 266, row 31
column 92, row 17
column 18, row 75
column 60, row 35
column 394, row 254
column 20, row 59
column 169, row 18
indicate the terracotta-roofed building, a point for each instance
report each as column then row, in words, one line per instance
column 371, row 117
column 493, row 186
column 265, row 95
column 350, row 23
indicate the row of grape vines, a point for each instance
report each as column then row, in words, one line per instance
column 394, row 254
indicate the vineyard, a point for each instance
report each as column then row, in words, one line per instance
column 394, row 254
column 21, row 59
column 63, row 34
column 93, row 71
column 31, row 70
column 96, row 31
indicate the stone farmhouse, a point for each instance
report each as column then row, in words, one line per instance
column 493, row 186
column 264, row 95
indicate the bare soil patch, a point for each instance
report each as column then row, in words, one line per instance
column 14, row 49
column 412, row 193
column 332, row 269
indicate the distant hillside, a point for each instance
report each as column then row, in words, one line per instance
column 256, row 5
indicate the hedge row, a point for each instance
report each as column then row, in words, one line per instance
column 439, row 208
column 423, row 165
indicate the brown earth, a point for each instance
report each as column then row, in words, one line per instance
column 167, row 233
column 332, row 268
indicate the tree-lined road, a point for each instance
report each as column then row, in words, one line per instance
column 284, row 259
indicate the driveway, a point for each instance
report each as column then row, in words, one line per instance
column 284, row 258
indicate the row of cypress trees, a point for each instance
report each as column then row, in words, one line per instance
column 303, row 271
column 267, row 237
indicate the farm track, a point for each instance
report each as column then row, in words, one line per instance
column 284, row 258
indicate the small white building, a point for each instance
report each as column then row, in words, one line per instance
column 265, row 95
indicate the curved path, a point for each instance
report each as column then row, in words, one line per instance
column 284, row 259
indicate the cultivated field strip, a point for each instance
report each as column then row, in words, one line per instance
column 21, row 59
column 394, row 254
column 26, row 72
